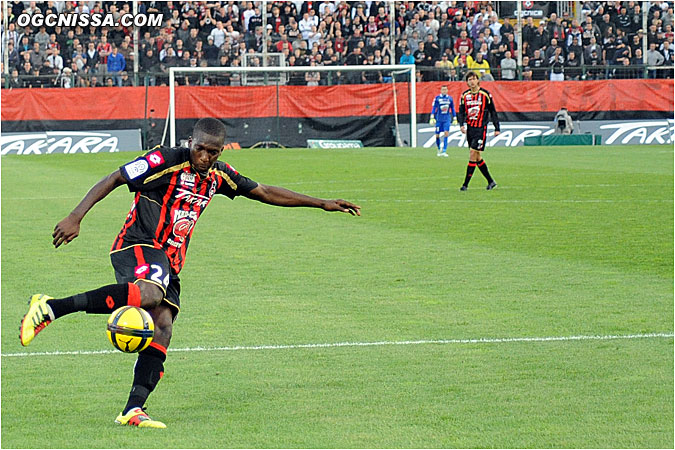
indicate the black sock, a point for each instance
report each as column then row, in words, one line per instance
column 469, row 172
column 103, row 300
column 484, row 170
column 148, row 370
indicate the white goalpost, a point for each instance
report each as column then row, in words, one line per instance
column 279, row 76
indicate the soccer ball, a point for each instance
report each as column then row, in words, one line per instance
column 130, row 329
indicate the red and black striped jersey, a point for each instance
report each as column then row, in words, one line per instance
column 473, row 107
column 169, row 198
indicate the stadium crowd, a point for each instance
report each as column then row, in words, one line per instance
column 443, row 38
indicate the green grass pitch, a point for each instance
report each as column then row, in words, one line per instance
column 575, row 241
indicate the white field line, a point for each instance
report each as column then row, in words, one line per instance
column 364, row 344
column 446, row 200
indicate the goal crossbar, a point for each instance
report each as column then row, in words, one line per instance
column 398, row 68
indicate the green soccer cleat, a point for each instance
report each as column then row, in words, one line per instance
column 38, row 317
column 136, row 417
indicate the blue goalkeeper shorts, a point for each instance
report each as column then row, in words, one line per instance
column 442, row 126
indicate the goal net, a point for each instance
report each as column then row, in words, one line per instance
column 289, row 106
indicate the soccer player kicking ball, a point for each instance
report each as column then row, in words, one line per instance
column 473, row 105
column 171, row 187
column 442, row 112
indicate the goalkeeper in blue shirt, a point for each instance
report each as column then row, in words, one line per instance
column 442, row 113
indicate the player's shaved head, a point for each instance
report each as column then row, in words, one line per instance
column 211, row 127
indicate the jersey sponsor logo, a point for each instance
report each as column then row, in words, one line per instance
column 187, row 179
column 183, row 222
column 136, row 169
column 192, row 198
column 155, row 159
column 141, row 271
column 473, row 112
column 182, row 228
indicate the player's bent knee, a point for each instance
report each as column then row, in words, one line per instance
column 151, row 295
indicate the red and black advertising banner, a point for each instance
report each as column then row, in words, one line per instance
column 292, row 114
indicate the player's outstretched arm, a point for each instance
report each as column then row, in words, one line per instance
column 69, row 228
column 278, row 196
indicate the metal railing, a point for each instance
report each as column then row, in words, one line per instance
column 424, row 73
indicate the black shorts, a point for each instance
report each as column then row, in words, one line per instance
column 143, row 262
column 475, row 137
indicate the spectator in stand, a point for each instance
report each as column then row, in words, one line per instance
column 55, row 60
column 52, row 44
column 463, row 59
column 463, row 42
column 626, row 71
column 508, row 67
column 12, row 55
column 371, row 47
column 218, row 34
column 556, row 28
column 529, row 29
column 25, row 47
column 550, row 50
column 103, row 49
column 623, row 20
column 594, row 60
column 37, row 57
column 606, row 24
column 369, row 76
column 192, row 39
column 667, row 52
column 481, row 67
column 116, row 64
column 538, row 66
column 407, row 58
column 572, row 66
column 413, row 40
column 609, row 49
column 92, row 58
column 496, row 51
column 621, row 54
column 419, row 55
column 42, row 38
column 444, row 33
column 507, row 28
column 638, row 62
column 511, row 44
column 444, row 66
column 541, row 38
column 432, row 51
column 14, row 81
column 526, row 69
column 592, row 46
column 574, row 31
column 557, row 64
column 25, row 72
column 654, row 58
column 576, row 48
column 126, row 81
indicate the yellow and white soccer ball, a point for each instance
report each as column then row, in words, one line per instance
column 130, row 329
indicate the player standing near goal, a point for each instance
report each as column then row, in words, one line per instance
column 172, row 187
column 473, row 106
column 442, row 113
